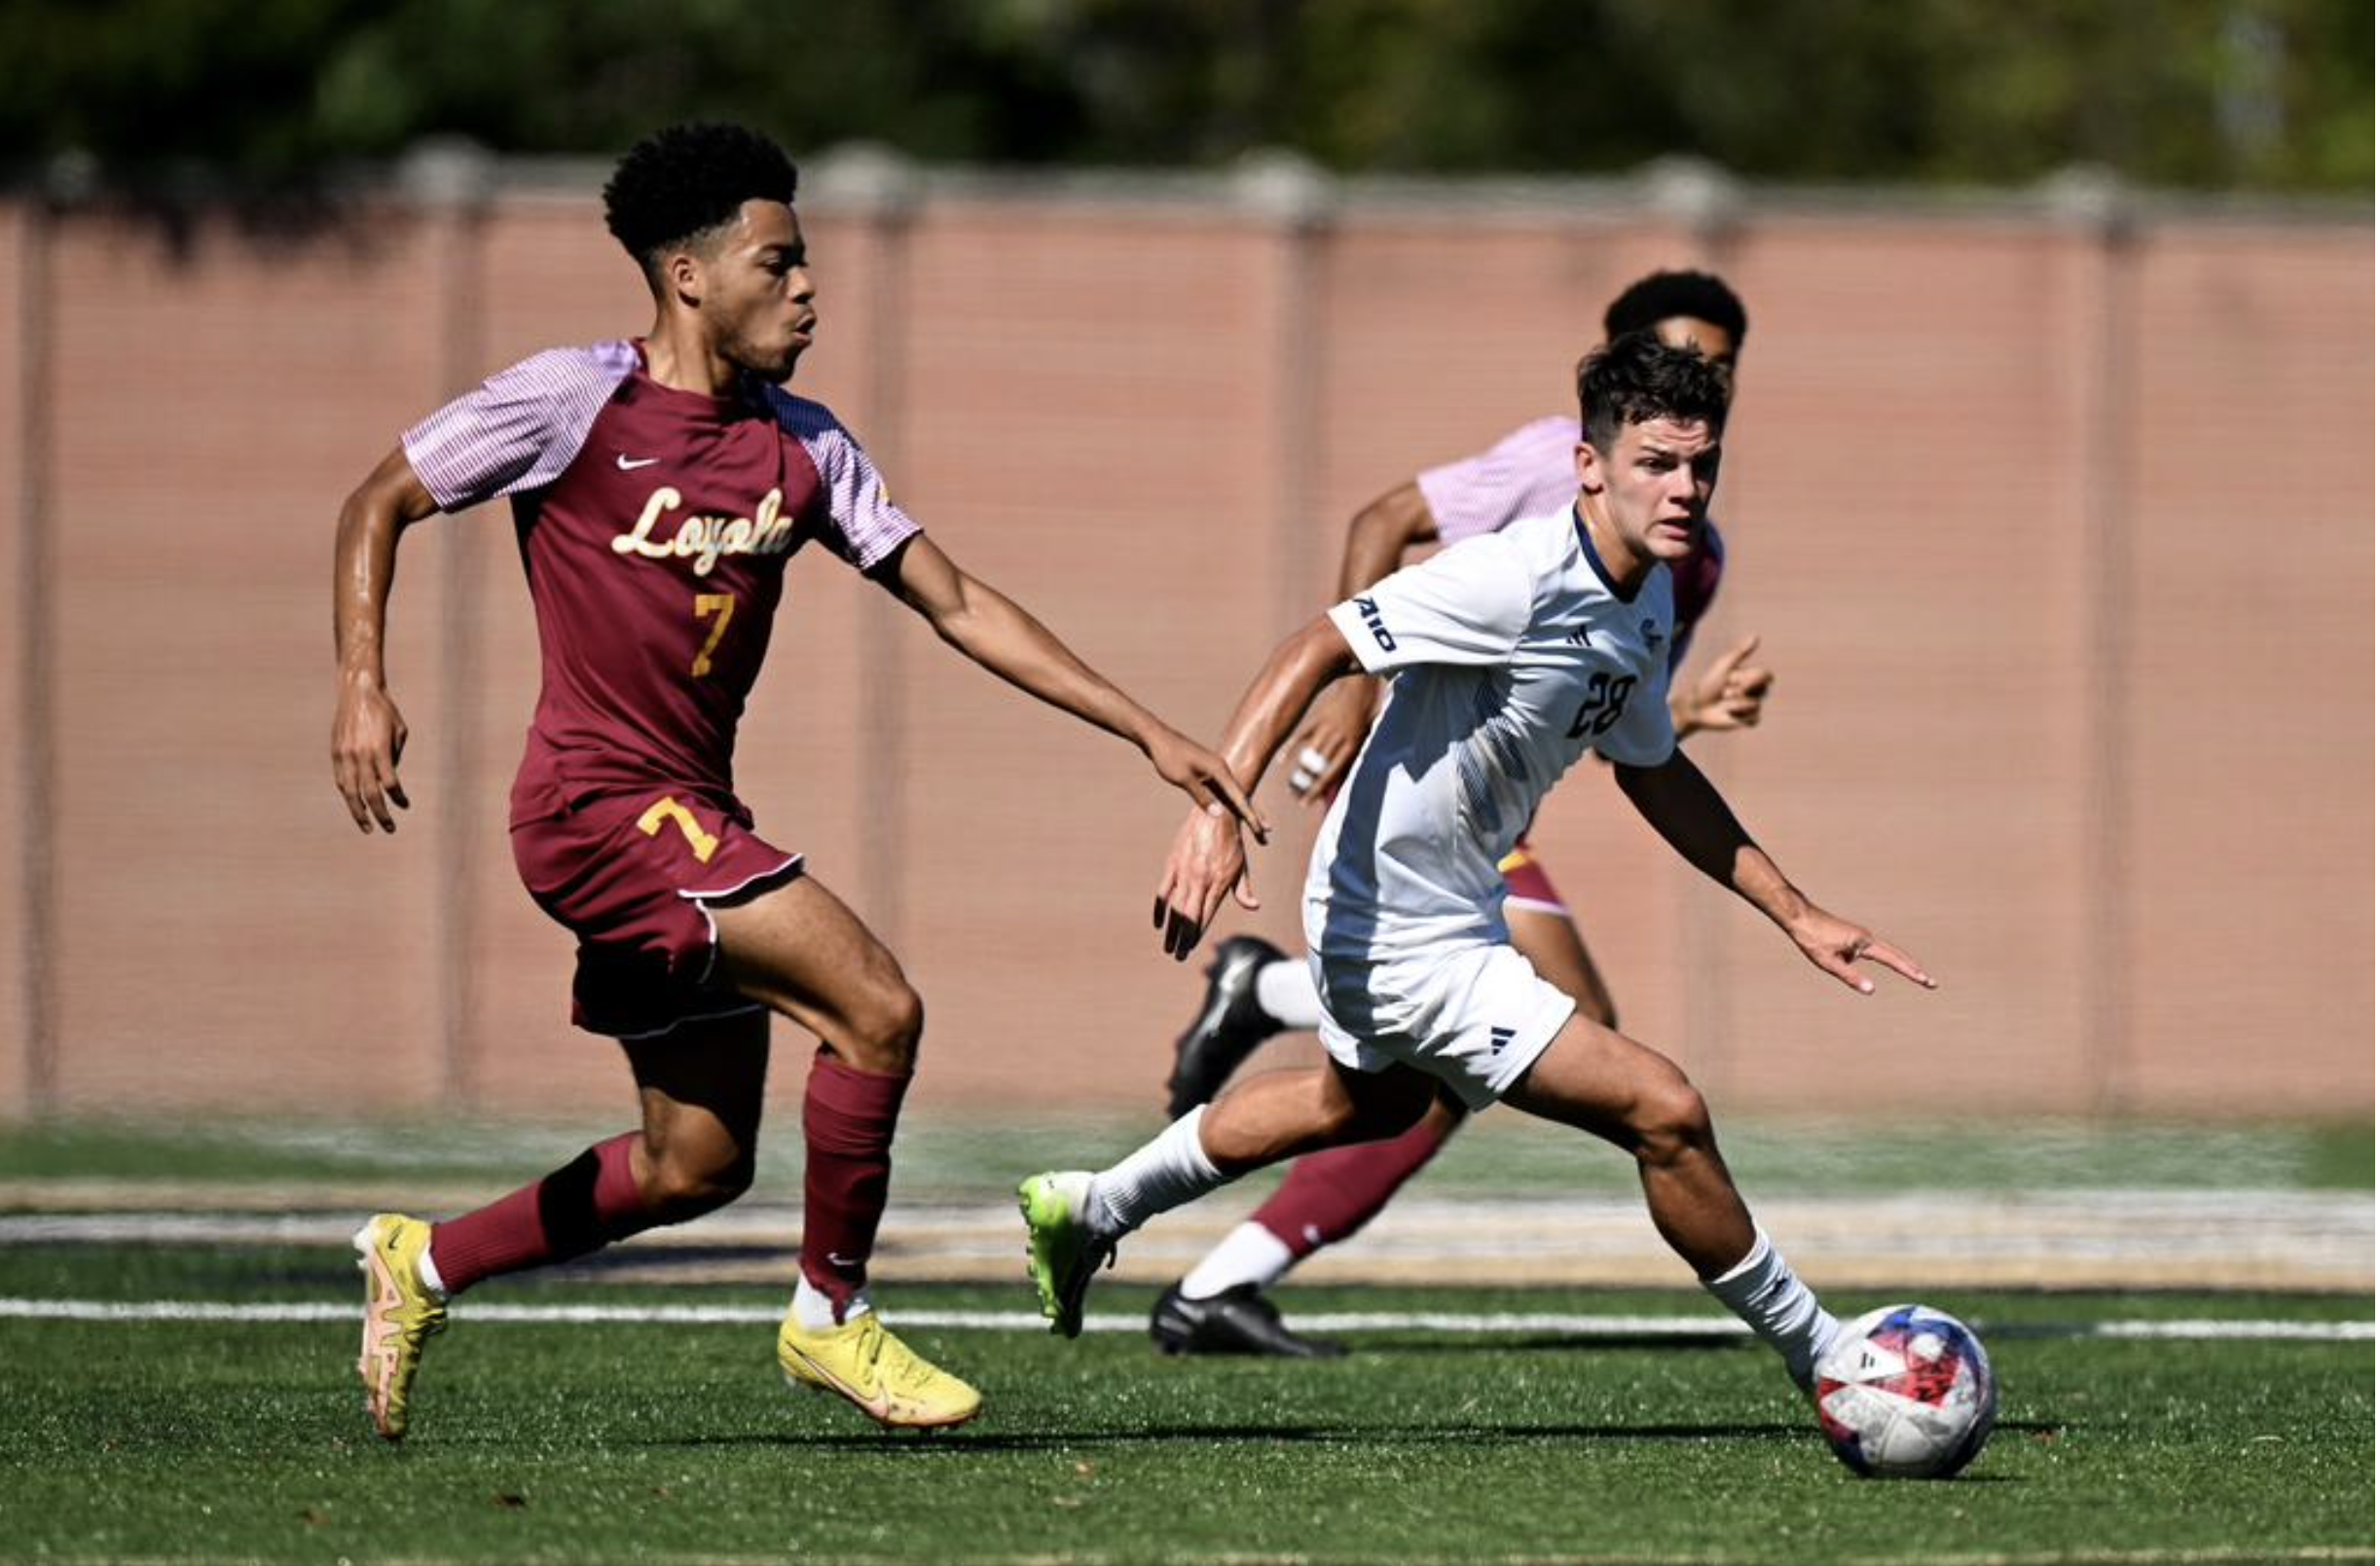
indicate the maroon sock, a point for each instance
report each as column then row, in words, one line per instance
column 847, row 1120
column 1329, row 1195
column 583, row 1205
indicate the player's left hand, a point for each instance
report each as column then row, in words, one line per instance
column 1728, row 693
column 1208, row 863
column 1839, row 946
column 1206, row 778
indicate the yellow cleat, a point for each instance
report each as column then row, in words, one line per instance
column 400, row 1315
column 863, row 1364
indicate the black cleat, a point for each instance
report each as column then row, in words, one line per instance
column 1227, row 1028
column 1238, row 1320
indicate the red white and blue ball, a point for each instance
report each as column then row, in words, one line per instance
column 1906, row 1392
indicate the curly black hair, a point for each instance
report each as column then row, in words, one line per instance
column 1656, row 298
column 689, row 179
column 1636, row 377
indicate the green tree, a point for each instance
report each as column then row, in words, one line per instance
column 2210, row 93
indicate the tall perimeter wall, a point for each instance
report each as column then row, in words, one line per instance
column 2054, row 513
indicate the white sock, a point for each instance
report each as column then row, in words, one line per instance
column 814, row 1308
column 1778, row 1306
column 427, row 1272
column 1286, row 991
column 1251, row 1254
column 1168, row 1170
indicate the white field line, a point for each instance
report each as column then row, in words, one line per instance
column 1491, row 1324
column 1906, row 1243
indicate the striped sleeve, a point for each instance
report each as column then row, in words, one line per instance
column 862, row 525
column 520, row 427
column 1529, row 473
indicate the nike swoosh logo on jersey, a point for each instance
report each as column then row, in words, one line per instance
column 628, row 464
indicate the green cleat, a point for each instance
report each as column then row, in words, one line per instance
column 1061, row 1250
column 400, row 1315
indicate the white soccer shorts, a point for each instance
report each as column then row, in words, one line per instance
column 1474, row 1016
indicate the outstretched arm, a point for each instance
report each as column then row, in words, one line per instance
column 1208, row 862
column 1687, row 811
column 999, row 634
column 367, row 731
column 1378, row 539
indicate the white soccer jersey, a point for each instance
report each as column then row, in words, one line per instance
column 1513, row 657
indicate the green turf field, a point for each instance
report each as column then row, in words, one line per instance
column 1501, row 1153
column 218, row 1441
column 138, row 1436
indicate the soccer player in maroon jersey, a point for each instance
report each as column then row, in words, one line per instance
column 659, row 485
column 1255, row 990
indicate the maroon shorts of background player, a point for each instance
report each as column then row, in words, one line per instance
column 1525, row 880
column 626, row 872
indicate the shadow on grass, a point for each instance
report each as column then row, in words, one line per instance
column 1157, row 1436
column 1370, row 1345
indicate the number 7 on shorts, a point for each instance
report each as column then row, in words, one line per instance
column 666, row 809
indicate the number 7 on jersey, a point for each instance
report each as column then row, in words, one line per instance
column 722, row 604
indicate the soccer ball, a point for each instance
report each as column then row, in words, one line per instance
column 1906, row 1393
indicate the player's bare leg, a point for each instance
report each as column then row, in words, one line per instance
column 1219, row 1305
column 1074, row 1219
column 797, row 947
column 799, row 950
column 1637, row 1097
column 699, row 1089
column 699, row 1093
column 1559, row 953
column 1280, row 1114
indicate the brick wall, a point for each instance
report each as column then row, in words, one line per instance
column 2059, row 533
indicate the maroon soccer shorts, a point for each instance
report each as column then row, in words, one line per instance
column 627, row 874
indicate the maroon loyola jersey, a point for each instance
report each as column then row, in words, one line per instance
column 654, row 525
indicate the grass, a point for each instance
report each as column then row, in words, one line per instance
column 1501, row 1154
column 650, row 1441
column 227, row 1440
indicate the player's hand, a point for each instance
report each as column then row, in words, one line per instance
column 1206, row 778
column 1729, row 692
column 1839, row 946
column 367, row 741
column 1208, row 863
column 1334, row 732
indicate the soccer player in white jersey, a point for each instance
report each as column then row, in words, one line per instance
column 1256, row 990
column 1514, row 654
